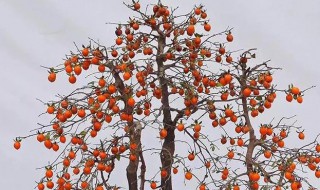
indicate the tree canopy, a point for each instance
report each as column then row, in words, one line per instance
column 151, row 102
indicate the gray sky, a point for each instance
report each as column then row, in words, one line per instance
column 37, row 32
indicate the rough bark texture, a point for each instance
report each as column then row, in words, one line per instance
column 168, row 146
column 135, row 136
column 134, row 132
column 252, row 137
column 143, row 169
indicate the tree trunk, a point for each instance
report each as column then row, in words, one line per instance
column 252, row 137
column 134, row 133
column 135, row 136
column 168, row 146
column 167, row 152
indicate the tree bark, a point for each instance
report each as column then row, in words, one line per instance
column 134, row 132
column 167, row 152
column 252, row 137
column 135, row 136
column 168, row 146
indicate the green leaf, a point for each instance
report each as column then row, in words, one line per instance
column 118, row 157
column 219, row 84
column 83, row 133
column 48, row 135
column 259, row 97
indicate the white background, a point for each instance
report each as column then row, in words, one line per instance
column 41, row 32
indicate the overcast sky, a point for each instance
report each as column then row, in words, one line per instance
column 41, row 32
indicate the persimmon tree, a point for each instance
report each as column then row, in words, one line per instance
column 169, row 77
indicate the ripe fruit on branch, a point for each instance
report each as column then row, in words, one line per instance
column 52, row 76
column 191, row 156
column 182, row 78
column 163, row 133
column 229, row 37
column 207, row 27
column 301, row 135
column 190, row 30
column 246, row 92
column 295, row 90
column 188, row 175
column 17, row 145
